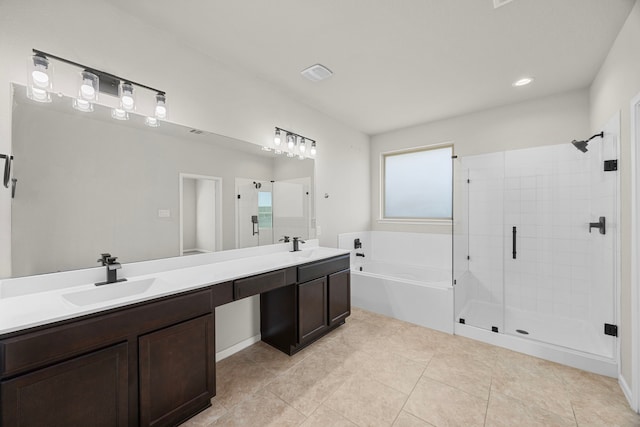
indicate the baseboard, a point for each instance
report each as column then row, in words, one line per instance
column 627, row 392
column 223, row 354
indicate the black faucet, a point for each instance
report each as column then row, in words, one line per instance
column 296, row 241
column 112, row 269
column 284, row 239
column 360, row 254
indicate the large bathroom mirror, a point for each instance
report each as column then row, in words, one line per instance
column 88, row 184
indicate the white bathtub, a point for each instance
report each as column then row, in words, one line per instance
column 420, row 295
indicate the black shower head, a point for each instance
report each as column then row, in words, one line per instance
column 580, row 145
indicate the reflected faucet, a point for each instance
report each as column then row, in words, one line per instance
column 284, row 239
column 296, row 241
column 112, row 269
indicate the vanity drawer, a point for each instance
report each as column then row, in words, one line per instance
column 32, row 350
column 318, row 269
column 222, row 293
column 260, row 283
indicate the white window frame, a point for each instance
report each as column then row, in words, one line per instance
column 390, row 220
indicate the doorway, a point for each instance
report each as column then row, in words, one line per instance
column 200, row 214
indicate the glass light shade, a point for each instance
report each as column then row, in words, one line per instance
column 83, row 105
column 39, row 79
column 119, row 114
column 291, row 141
column 290, row 154
column 89, row 86
column 152, row 122
column 127, row 97
column 161, row 107
column 303, row 146
column 313, row 150
column 276, row 138
column 301, row 157
column 265, row 148
column 278, row 151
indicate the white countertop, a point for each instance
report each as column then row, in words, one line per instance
column 47, row 298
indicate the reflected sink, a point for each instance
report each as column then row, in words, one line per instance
column 110, row 292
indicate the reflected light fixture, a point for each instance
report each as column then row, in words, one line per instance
column 152, row 122
column 303, row 149
column 39, row 79
column 119, row 114
column 90, row 83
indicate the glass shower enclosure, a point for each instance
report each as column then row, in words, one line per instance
column 535, row 245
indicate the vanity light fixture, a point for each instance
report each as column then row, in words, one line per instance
column 91, row 83
column 127, row 97
column 161, row 106
column 39, row 79
column 276, row 138
column 294, row 148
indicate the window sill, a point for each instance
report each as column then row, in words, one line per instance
column 415, row 221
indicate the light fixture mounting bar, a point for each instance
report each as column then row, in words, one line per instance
column 102, row 74
column 295, row 134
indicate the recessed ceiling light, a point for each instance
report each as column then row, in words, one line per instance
column 522, row 82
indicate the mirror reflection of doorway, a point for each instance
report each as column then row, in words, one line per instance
column 200, row 214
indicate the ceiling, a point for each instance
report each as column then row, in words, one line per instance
column 399, row 63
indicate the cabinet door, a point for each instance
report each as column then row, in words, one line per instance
column 312, row 308
column 339, row 296
column 177, row 371
column 89, row 390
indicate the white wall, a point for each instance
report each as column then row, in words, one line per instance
column 616, row 83
column 206, row 215
column 230, row 103
column 189, row 213
column 552, row 120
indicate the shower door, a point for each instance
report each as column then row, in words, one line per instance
column 479, row 214
column 558, row 272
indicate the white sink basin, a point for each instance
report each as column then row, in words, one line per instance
column 110, row 292
column 313, row 253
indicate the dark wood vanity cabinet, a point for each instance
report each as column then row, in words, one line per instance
column 292, row 317
column 89, row 390
column 151, row 364
column 177, row 367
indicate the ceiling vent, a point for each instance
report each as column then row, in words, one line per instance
column 196, row 131
column 316, row 72
column 498, row 3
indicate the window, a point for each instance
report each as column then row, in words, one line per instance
column 418, row 184
column 265, row 209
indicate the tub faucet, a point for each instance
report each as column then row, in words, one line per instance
column 284, row 239
column 112, row 269
column 296, row 246
column 360, row 254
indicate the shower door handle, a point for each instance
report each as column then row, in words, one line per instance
column 254, row 224
column 513, row 242
column 600, row 225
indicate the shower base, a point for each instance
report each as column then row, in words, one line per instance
column 564, row 340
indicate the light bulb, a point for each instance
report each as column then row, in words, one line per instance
column 313, row 148
column 88, row 92
column 303, row 146
column 151, row 122
column 39, row 95
column 291, row 142
column 82, row 105
column 276, row 139
column 119, row 114
column 40, row 76
column 161, row 106
column 127, row 101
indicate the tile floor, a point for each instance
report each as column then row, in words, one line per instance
column 378, row 371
